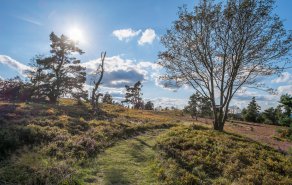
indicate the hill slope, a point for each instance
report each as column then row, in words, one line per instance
column 66, row 144
column 197, row 155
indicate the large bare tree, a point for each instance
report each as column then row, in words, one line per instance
column 220, row 47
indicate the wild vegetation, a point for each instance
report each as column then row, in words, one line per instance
column 55, row 131
column 55, row 144
column 66, row 144
column 196, row 155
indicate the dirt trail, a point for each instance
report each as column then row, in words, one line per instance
column 129, row 161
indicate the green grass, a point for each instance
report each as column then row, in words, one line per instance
column 129, row 161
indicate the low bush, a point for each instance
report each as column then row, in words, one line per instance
column 33, row 169
column 199, row 156
column 286, row 133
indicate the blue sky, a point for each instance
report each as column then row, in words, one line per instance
column 129, row 30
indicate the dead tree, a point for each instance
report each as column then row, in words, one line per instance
column 95, row 94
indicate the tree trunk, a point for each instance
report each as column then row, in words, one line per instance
column 218, row 125
column 53, row 99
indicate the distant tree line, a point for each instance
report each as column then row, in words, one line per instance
column 199, row 106
column 280, row 115
column 15, row 89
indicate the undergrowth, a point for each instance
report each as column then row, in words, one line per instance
column 196, row 155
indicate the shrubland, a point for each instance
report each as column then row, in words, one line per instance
column 61, row 144
column 57, row 144
column 197, row 155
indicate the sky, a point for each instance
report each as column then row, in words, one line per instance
column 128, row 30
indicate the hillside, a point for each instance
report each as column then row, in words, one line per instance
column 66, row 144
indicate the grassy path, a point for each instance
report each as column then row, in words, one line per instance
column 129, row 161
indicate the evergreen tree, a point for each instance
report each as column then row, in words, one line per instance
column 193, row 105
column 133, row 95
column 199, row 106
column 63, row 73
column 286, row 102
column 251, row 113
column 270, row 116
column 149, row 105
column 107, row 98
column 37, row 77
column 206, row 107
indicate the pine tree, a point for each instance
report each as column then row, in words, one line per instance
column 149, row 105
column 252, row 111
column 199, row 106
column 133, row 95
column 270, row 116
column 37, row 77
column 193, row 105
column 107, row 98
column 64, row 76
column 286, row 102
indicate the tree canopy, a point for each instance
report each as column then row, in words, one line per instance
column 61, row 73
column 133, row 95
column 220, row 47
column 198, row 106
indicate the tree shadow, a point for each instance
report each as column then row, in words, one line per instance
column 115, row 176
column 143, row 142
column 137, row 151
column 6, row 109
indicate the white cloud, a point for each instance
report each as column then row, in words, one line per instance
column 125, row 34
column 264, row 99
column 21, row 68
column 148, row 36
column 286, row 89
column 120, row 72
column 169, row 102
column 284, row 77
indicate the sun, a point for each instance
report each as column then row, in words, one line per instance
column 76, row 34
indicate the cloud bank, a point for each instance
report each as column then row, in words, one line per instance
column 120, row 72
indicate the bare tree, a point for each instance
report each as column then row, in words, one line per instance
column 94, row 94
column 219, row 48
